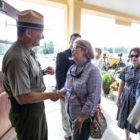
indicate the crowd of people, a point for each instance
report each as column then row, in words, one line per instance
column 77, row 77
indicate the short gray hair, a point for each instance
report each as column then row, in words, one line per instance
column 86, row 46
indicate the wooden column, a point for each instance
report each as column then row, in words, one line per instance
column 74, row 16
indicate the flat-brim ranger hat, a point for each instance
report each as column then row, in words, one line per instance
column 30, row 19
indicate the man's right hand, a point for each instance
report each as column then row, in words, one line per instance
column 54, row 96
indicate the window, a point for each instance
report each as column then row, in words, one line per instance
column 7, row 34
column 103, row 32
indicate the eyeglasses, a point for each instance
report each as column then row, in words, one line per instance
column 75, row 47
column 136, row 56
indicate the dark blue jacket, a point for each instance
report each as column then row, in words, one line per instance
column 62, row 65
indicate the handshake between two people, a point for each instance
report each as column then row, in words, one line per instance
column 57, row 94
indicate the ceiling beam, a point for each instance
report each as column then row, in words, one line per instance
column 103, row 11
column 10, row 10
column 122, row 21
column 53, row 3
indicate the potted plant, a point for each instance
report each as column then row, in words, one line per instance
column 106, row 82
column 109, row 84
column 113, row 87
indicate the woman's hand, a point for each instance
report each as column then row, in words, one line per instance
column 62, row 93
column 78, row 123
column 120, row 91
column 118, row 103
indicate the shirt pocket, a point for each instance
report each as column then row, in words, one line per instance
column 129, row 77
column 35, row 76
column 138, row 75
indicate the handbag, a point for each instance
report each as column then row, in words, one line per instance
column 98, row 123
column 134, row 116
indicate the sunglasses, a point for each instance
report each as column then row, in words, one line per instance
column 136, row 56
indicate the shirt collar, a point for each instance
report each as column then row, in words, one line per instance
column 138, row 67
column 27, row 51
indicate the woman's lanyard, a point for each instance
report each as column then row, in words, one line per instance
column 78, row 75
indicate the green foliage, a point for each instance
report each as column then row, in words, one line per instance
column 110, row 95
column 47, row 48
column 109, row 83
column 113, row 49
column 112, row 87
column 110, row 49
column 106, row 81
column 105, row 48
column 3, row 48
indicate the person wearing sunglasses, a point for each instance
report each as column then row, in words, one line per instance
column 84, row 82
column 130, row 76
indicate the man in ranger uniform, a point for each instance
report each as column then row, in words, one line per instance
column 23, row 79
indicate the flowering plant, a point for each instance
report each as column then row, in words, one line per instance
column 114, row 85
column 109, row 84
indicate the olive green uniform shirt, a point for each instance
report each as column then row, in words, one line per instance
column 22, row 72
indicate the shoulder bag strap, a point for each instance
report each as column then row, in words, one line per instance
column 78, row 98
column 80, row 102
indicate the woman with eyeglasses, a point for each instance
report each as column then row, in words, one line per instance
column 82, row 89
column 130, row 77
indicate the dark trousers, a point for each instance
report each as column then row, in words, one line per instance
column 84, row 135
column 30, row 122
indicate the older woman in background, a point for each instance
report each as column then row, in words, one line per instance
column 98, row 61
column 84, row 82
column 130, row 77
